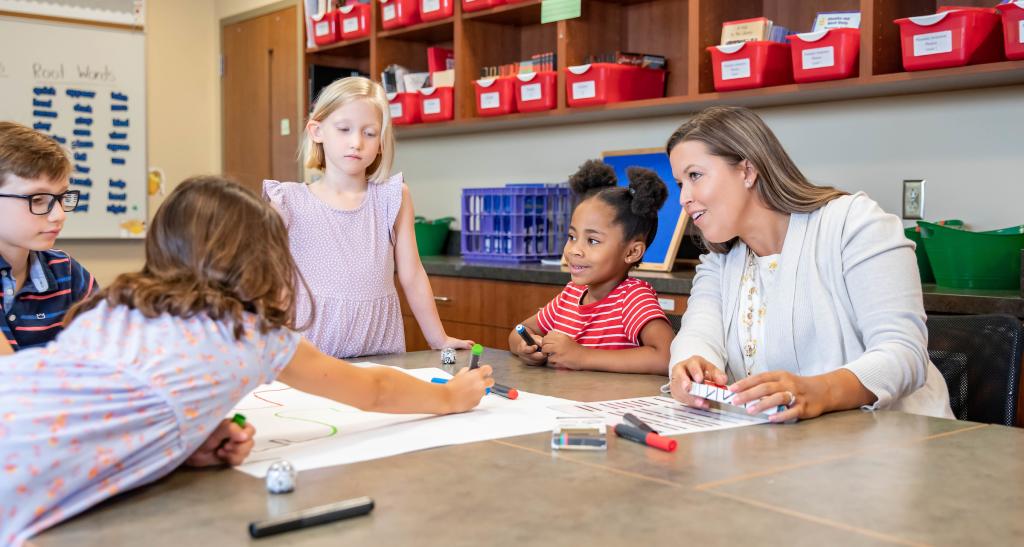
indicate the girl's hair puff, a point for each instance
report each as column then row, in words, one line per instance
column 339, row 93
column 636, row 206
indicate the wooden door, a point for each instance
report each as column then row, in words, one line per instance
column 259, row 98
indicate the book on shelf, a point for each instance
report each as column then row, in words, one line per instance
column 757, row 29
column 644, row 60
column 541, row 62
column 836, row 19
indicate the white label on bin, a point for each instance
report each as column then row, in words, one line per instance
column 819, row 57
column 530, row 92
column 490, row 100
column 322, row 29
column 431, row 5
column 584, row 90
column 1020, row 32
column 389, row 12
column 350, row 25
column 933, row 43
column 396, row 110
column 732, row 70
column 432, row 106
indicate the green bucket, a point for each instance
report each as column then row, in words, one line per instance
column 914, row 234
column 431, row 235
column 974, row 260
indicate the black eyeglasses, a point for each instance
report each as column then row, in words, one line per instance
column 42, row 203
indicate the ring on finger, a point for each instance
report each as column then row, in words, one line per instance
column 792, row 398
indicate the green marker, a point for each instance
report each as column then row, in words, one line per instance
column 238, row 419
column 474, row 362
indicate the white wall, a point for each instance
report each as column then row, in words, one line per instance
column 966, row 144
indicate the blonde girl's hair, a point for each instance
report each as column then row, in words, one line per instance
column 734, row 134
column 339, row 93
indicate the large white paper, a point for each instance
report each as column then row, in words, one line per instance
column 312, row 432
column 667, row 416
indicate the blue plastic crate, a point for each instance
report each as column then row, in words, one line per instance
column 518, row 223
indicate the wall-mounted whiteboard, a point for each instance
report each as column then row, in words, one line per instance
column 86, row 87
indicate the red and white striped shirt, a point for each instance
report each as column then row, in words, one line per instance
column 614, row 322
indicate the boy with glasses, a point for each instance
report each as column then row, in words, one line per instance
column 38, row 284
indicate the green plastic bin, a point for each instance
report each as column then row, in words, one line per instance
column 914, row 234
column 962, row 259
column 431, row 235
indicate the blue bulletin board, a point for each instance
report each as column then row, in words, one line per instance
column 671, row 220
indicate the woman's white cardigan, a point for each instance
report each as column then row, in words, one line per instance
column 847, row 294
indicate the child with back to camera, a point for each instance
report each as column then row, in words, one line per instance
column 602, row 308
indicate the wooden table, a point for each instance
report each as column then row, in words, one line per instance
column 847, row 478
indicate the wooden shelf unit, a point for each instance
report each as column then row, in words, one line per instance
column 681, row 30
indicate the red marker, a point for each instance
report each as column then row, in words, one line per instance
column 505, row 391
column 637, row 435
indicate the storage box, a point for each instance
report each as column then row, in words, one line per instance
column 434, row 10
column 354, row 21
column 603, row 83
column 437, row 104
column 404, row 108
column 477, row 5
column 1013, row 29
column 952, row 37
column 325, row 28
column 751, row 64
column 399, row 13
column 495, row 96
column 536, row 91
column 825, row 55
column 517, row 223
column 962, row 259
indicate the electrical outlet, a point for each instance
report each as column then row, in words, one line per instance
column 913, row 199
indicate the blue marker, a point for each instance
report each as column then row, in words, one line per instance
column 445, row 381
column 525, row 334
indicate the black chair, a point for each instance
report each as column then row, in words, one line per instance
column 980, row 358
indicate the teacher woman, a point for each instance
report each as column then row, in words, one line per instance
column 809, row 297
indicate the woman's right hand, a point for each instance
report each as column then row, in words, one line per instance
column 694, row 369
column 467, row 388
column 530, row 354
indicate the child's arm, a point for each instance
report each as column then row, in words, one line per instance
column 5, row 348
column 229, row 444
column 531, row 355
column 382, row 389
column 415, row 283
column 650, row 358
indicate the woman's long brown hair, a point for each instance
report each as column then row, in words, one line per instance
column 734, row 134
column 214, row 248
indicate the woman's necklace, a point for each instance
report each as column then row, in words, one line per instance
column 755, row 307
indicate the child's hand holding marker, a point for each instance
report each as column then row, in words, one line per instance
column 229, row 444
column 562, row 351
column 527, row 346
column 467, row 388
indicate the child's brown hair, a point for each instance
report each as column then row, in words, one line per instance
column 29, row 154
column 214, row 248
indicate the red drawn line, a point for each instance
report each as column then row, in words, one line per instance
column 257, row 395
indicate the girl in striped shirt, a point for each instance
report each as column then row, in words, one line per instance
column 602, row 308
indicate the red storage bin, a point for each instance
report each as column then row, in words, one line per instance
column 354, row 21
column 437, row 104
column 399, row 13
column 495, row 96
column 952, row 37
column 434, row 10
column 325, row 28
column 477, row 5
column 825, row 55
column 404, row 108
column 751, row 64
column 536, row 91
column 602, row 83
column 1013, row 29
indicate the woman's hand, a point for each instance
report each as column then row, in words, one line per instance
column 469, row 386
column 806, row 396
column 229, row 444
column 695, row 369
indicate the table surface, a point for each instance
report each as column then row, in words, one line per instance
column 847, row 478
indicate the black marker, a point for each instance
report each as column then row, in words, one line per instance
column 521, row 331
column 477, row 351
column 637, row 422
column 312, row 517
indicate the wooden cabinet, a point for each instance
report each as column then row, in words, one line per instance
column 680, row 30
column 485, row 311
